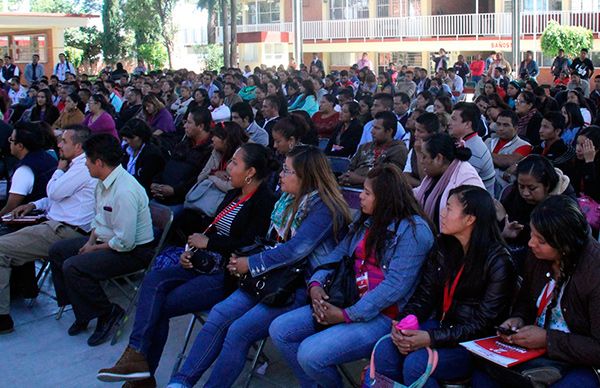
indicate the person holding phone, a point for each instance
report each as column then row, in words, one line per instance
column 536, row 180
column 241, row 217
column 558, row 306
column 464, row 292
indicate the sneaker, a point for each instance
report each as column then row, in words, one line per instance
column 105, row 326
column 150, row 382
column 131, row 366
column 77, row 327
column 6, row 324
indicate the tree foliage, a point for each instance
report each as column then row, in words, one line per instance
column 569, row 38
column 154, row 54
column 212, row 56
column 83, row 44
column 114, row 44
column 150, row 21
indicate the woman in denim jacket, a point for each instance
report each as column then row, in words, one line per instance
column 308, row 218
column 395, row 232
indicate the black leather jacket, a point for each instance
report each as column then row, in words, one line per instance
column 480, row 302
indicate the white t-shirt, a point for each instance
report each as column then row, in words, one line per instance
column 22, row 181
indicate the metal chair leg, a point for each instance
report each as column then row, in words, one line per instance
column 259, row 351
column 181, row 355
column 60, row 312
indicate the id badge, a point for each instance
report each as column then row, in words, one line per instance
column 362, row 283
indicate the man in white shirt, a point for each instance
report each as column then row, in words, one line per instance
column 218, row 110
column 120, row 241
column 16, row 92
column 456, row 83
column 69, row 208
column 63, row 67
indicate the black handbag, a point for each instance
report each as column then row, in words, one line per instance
column 276, row 287
column 340, row 286
column 206, row 262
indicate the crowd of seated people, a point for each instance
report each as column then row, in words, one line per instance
column 468, row 219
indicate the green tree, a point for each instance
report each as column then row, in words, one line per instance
column 212, row 56
column 53, row 6
column 154, row 54
column 152, row 20
column 83, row 44
column 115, row 42
column 569, row 38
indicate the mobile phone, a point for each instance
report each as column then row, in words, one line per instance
column 505, row 330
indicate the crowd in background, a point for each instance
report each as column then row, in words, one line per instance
column 452, row 217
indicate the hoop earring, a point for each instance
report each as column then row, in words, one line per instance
column 248, row 180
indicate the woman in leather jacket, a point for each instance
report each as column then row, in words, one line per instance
column 558, row 306
column 466, row 289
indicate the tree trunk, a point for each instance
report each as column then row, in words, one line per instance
column 225, row 24
column 211, row 33
column 233, row 48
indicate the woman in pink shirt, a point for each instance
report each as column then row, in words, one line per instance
column 99, row 120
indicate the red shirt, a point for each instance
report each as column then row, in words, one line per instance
column 367, row 265
column 325, row 126
column 477, row 68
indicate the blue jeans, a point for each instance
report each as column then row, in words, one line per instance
column 165, row 294
column 230, row 330
column 453, row 363
column 576, row 377
column 314, row 356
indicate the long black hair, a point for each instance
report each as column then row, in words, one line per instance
column 563, row 226
column 394, row 202
column 478, row 203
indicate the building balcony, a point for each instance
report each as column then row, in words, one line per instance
column 436, row 27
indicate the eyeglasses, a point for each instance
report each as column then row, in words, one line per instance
column 286, row 171
column 522, row 102
column 12, row 140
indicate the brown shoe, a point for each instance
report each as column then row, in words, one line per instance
column 131, row 366
column 146, row 383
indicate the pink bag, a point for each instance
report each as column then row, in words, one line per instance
column 378, row 380
column 591, row 210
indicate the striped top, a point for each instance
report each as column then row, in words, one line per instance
column 224, row 224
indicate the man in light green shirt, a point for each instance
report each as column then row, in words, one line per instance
column 120, row 242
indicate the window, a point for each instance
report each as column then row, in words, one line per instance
column 263, row 12
column 585, row 5
column 349, row 9
column 542, row 5
column 3, row 45
column 275, row 53
column 395, row 8
column 27, row 45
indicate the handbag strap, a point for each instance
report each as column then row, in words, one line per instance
column 432, row 362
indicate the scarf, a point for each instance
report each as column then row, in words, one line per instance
column 524, row 122
column 282, row 222
column 429, row 203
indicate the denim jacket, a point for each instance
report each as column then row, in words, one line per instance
column 314, row 239
column 405, row 252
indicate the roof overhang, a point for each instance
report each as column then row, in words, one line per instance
column 38, row 21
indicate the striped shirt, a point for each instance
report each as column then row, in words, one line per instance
column 224, row 224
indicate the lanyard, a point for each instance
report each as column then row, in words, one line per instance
column 546, row 296
column 449, row 292
column 231, row 207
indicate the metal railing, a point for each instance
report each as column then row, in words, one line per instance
column 431, row 26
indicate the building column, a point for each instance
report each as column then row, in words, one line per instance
column 425, row 7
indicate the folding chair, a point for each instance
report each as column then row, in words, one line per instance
column 339, row 165
column 258, row 357
column 40, row 279
column 162, row 218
